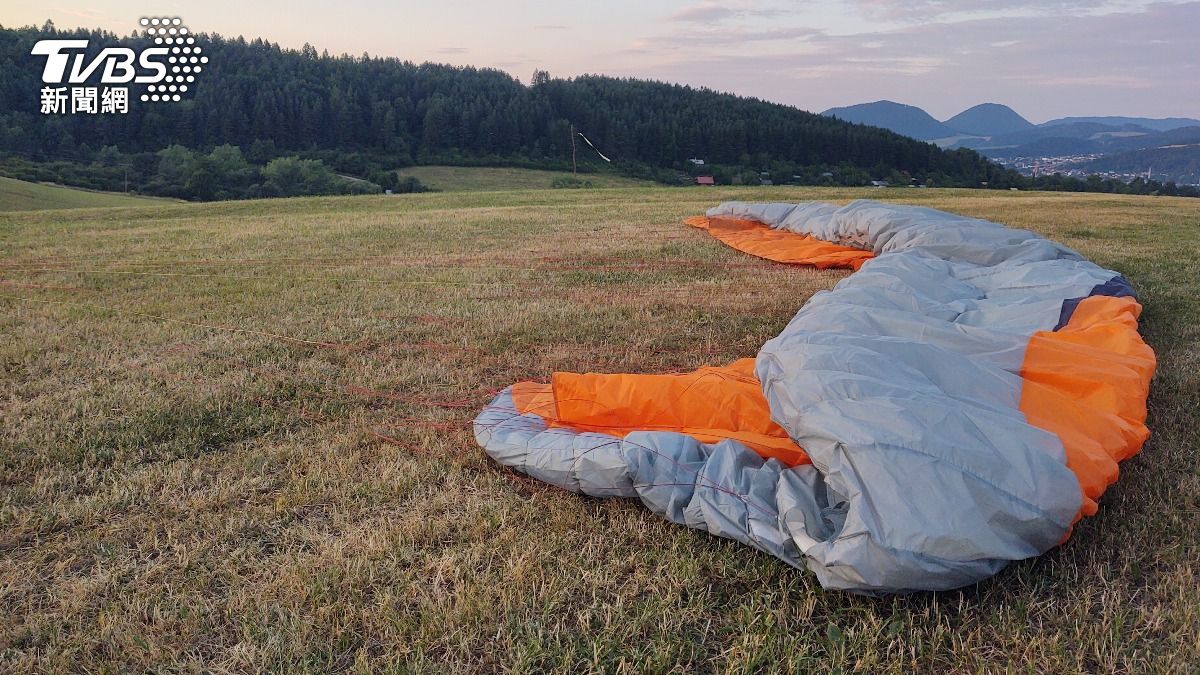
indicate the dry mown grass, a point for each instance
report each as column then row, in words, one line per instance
column 194, row 498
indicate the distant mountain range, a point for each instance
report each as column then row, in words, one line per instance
column 1157, row 124
column 1117, row 145
column 989, row 119
column 907, row 120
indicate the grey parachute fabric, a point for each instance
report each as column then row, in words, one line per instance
column 902, row 384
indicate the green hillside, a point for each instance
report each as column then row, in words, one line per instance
column 368, row 114
column 1181, row 162
column 19, row 195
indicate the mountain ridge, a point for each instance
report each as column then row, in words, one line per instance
column 1154, row 123
column 1000, row 133
column 984, row 120
column 907, row 120
column 988, row 119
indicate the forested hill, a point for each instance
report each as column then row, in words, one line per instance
column 389, row 112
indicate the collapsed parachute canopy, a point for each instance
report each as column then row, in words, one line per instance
column 955, row 405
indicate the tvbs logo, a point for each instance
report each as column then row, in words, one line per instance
column 168, row 69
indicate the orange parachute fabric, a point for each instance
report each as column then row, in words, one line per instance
column 782, row 246
column 1086, row 382
column 710, row 404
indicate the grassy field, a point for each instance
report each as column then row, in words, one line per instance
column 485, row 178
column 236, row 438
column 19, row 195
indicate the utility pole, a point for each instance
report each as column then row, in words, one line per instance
column 127, row 180
column 574, row 169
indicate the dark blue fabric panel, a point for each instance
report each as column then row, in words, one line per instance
column 1116, row 287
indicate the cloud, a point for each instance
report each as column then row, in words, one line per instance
column 726, row 37
column 452, row 50
column 1101, row 80
column 704, row 12
column 929, row 10
column 86, row 14
column 712, row 12
column 1130, row 62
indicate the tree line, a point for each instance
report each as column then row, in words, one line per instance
column 366, row 116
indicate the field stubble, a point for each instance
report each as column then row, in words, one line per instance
column 306, row 493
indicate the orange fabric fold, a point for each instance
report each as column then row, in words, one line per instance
column 711, row 404
column 1088, row 383
column 782, row 246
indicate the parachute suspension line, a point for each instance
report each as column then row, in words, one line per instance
column 585, row 140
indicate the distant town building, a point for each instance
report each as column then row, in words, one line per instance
column 705, row 180
column 696, row 161
column 879, row 183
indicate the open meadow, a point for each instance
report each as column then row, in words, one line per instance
column 236, row 437
column 19, row 195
